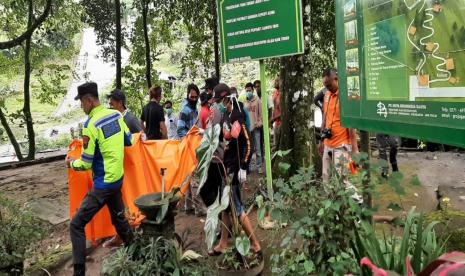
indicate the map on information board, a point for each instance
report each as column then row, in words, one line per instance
column 424, row 40
column 402, row 64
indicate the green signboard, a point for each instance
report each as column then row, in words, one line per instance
column 259, row 29
column 402, row 67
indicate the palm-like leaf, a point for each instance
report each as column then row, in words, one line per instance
column 205, row 153
column 213, row 212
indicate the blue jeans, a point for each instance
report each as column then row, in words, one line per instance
column 256, row 133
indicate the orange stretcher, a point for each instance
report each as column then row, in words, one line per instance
column 142, row 164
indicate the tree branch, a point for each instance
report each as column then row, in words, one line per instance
column 18, row 40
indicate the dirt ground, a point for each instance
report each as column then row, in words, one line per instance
column 49, row 181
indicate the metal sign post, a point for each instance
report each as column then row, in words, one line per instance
column 266, row 132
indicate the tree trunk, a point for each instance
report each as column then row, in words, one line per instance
column 148, row 63
column 27, row 96
column 118, row 44
column 11, row 136
column 216, row 40
column 297, row 129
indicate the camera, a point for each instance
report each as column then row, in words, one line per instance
column 326, row 134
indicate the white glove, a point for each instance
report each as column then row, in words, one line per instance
column 242, row 176
column 201, row 131
column 226, row 126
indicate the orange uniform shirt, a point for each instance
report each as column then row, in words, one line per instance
column 333, row 121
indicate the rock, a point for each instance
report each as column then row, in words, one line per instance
column 49, row 210
column 456, row 195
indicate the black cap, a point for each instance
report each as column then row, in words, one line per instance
column 85, row 89
column 221, row 91
column 204, row 98
column 210, row 83
column 118, row 95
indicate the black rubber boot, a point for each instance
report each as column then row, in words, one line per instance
column 395, row 168
column 79, row 270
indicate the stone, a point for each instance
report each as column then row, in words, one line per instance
column 456, row 195
column 49, row 210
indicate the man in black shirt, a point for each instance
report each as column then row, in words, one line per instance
column 153, row 116
column 117, row 101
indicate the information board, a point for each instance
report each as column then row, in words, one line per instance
column 259, row 29
column 401, row 67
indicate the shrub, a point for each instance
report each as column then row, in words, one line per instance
column 19, row 229
column 154, row 256
column 321, row 222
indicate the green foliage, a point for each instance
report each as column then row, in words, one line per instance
column 158, row 256
column 198, row 58
column 51, row 87
column 52, row 40
column 19, row 229
column 326, row 233
column 60, row 142
column 319, row 235
column 101, row 15
column 243, row 245
column 135, row 88
column 418, row 242
column 232, row 259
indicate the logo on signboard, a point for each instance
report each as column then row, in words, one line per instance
column 382, row 110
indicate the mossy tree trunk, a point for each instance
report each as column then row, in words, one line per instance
column 299, row 75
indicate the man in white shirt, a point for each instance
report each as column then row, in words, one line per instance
column 171, row 121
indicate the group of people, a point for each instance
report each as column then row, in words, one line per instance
column 239, row 115
column 107, row 131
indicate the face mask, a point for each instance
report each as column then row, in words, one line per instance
column 249, row 96
column 168, row 111
column 192, row 103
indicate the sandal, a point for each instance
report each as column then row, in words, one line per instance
column 215, row 253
